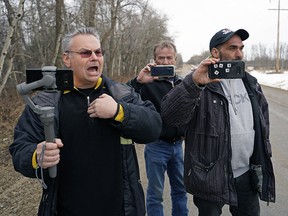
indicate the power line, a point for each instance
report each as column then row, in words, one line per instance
column 278, row 33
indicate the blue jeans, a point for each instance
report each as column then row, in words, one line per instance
column 248, row 200
column 160, row 157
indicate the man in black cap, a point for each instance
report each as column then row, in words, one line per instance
column 224, row 35
column 227, row 147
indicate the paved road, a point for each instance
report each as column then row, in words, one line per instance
column 278, row 105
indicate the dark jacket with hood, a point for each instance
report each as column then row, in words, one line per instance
column 142, row 124
column 207, row 161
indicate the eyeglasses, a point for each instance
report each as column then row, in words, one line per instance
column 87, row 53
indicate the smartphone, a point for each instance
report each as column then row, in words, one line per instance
column 227, row 70
column 64, row 78
column 163, row 71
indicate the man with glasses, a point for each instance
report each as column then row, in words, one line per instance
column 95, row 124
column 165, row 153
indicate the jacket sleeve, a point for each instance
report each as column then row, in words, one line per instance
column 142, row 122
column 178, row 105
column 28, row 132
column 136, row 85
column 264, row 118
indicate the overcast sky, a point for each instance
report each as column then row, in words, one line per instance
column 192, row 23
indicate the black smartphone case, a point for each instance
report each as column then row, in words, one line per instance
column 163, row 71
column 227, row 70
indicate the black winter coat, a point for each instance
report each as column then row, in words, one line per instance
column 154, row 92
column 142, row 123
column 207, row 161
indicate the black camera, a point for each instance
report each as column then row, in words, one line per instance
column 227, row 70
column 163, row 71
column 64, row 77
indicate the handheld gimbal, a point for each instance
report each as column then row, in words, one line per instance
column 46, row 114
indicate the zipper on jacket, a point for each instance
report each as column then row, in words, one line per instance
column 88, row 101
column 172, row 83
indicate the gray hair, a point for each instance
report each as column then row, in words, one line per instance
column 66, row 41
column 164, row 44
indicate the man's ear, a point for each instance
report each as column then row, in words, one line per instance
column 66, row 59
column 215, row 53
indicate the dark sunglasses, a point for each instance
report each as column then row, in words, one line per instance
column 87, row 53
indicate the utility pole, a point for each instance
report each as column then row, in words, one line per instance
column 277, row 65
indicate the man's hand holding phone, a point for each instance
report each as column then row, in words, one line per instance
column 213, row 70
column 200, row 75
column 144, row 75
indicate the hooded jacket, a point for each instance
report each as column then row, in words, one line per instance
column 207, row 161
column 142, row 124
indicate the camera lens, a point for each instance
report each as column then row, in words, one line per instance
column 238, row 70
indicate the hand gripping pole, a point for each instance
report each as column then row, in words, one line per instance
column 46, row 114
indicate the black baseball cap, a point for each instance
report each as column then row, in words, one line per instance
column 225, row 34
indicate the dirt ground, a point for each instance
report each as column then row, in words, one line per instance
column 18, row 195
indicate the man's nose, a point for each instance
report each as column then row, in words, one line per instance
column 165, row 61
column 239, row 53
column 93, row 56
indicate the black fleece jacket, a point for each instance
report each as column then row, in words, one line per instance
column 154, row 92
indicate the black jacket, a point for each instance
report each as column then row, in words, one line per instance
column 142, row 124
column 155, row 92
column 207, row 162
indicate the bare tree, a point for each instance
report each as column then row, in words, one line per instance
column 90, row 16
column 125, row 27
column 12, row 29
column 60, row 27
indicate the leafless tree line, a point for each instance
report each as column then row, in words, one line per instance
column 31, row 33
column 264, row 58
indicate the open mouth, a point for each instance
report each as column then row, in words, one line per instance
column 93, row 68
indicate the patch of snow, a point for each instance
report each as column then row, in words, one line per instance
column 279, row 80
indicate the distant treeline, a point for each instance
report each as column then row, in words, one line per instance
column 258, row 57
